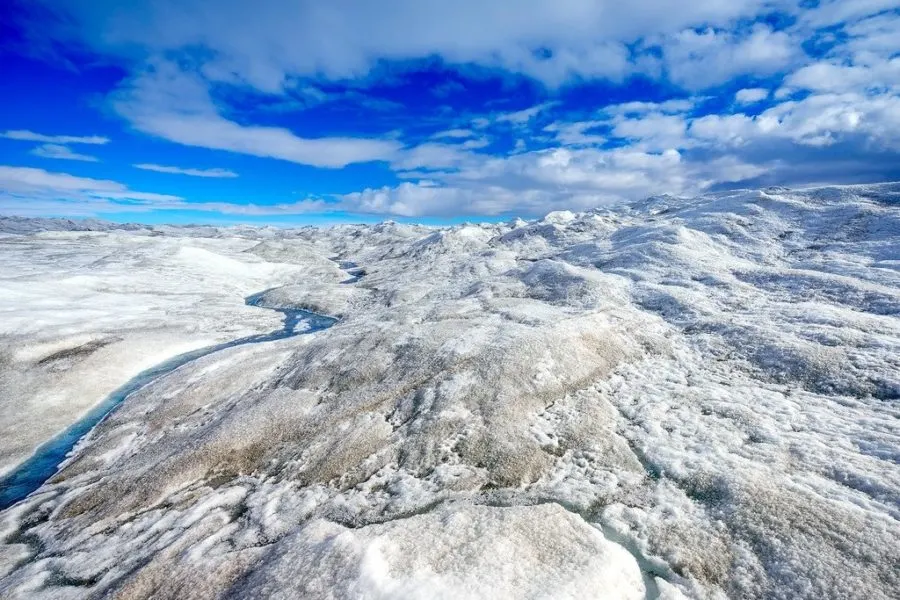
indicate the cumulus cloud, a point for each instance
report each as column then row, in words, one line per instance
column 219, row 173
column 578, row 133
column 817, row 120
column 697, row 60
column 751, row 95
column 824, row 76
column 30, row 136
column 535, row 182
column 658, row 147
column 551, row 41
column 653, row 131
column 61, row 152
column 874, row 34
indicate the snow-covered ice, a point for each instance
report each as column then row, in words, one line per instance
column 682, row 397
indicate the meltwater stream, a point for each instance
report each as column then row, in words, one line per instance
column 43, row 464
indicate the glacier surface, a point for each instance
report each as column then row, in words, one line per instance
column 681, row 397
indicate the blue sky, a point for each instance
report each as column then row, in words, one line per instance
column 285, row 112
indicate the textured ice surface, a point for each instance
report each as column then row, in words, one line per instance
column 681, row 397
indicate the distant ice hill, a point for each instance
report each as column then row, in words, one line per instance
column 34, row 224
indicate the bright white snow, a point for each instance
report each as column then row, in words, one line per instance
column 677, row 398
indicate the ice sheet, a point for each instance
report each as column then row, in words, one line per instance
column 684, row 397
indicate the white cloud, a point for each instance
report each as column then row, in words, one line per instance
column 217, row 133
column 464, row 138
column 830, row 77
column 825, row 119
column 734, row 129
column 554, row 42
column 95, row 206
column 537, row 182
column 831, row 12
column 418, row 200
column 637, row 108
column 38, row 184
column 598, row 60
column 28, row 191
column 751, row 95
column 219, row 173
column 475, row 143
column 169, row 103
column 697, row 60
column 454, row 133
column 652, row 131
column 576, row 133
column 30, row 136
column 817, row 120
column 876, row 34
column 521, row 117
column 433, row 156
column 61, row 152
column 667, row 149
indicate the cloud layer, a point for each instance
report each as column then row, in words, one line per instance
column 164, row 101
column 741, row 92
column 61, row 152
column 30, row 136
column 216, row 173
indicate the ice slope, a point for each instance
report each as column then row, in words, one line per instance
column 677, row 398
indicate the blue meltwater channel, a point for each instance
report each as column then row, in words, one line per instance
column 43, row 464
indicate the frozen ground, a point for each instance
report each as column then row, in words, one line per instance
column 681, row 398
